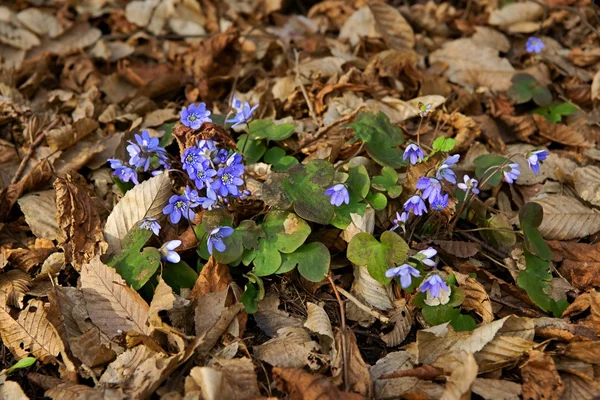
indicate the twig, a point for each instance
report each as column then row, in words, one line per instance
column 366, row 309
column 304, row 93
column 343, row 335
column 525, row 311
column 31, row 151
column 483, row 244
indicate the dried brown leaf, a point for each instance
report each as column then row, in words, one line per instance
column 40, row 22
column 292, row 348
column 581, row 274
column 588, row 351
column 459, row 383
column 566, row 218
column 14, row 285
column 495, row 389
column 560, row 133
column 225, row 379
column 303, row 386
column 540, row 378
column 12, row 390
column 579, row 386
column 458, row 248
column 270, row 319
column 27, row 258
column 72, row 391
column 35, row 177
column 40, row 213
column 112, row 305
column 587, row 184
column 162, row 300
column 214, row 277
column 512, row 16
column 426, row 372
column 359, row 378
column 17, row 37
column 68, row 135
column 396, row 31
column 318, row 322
column 81, row 235
column 403, row 319
column 476, row 298
column 90, row 350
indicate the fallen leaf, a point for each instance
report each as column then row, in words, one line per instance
column 40, row 213
column 14, row 285
column 403, row 319
column 69, row 390
column 566, row 218
column 10, row 194
column 459, row 383
column 396, row 31
column 12, row 390
column 145, row 200
column 270, row 319
column 560, row 133
column 458, row 248
column 579, row 386
column 27, row 258
column 17, row 37
column 224, row 379
column 318, row 322
column 587, row 184
column 90, row 350
column 304, row 386
column 540, row 378
column 359, row 379
column 583, row 275
column 291, row 348
column 476, row 298
column 585, row 351
column 513, row 16
column 112, row 305
column 496, row 389
column 163, row 300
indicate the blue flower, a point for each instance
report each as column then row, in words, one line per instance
column 221, row 157
column 215, row 238
column 400, row 220
column 535, row 158
column 168, row 253
column 339, row 194
column 243, row 114
column 191, row 159
column 227, row 181
column 150, row 224
column 123, row 172
column 414, row 152
column 405, row 272
column 192, row 197
column 204, row 174
column 434, row 284
column 440, row 202
column 444, row 171
column 178, row 206
column 195, row 115
column 511, row 172
column 144, row 148
column 425, row 256
column 208, row 202
column 431, row 188
column 534, row 45
column 416, row 205
column 470, row 184
column 236, row 104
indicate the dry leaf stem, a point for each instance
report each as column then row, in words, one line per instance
column 311, row 109
column 343, row 335
column 31, row 151
column 366, row 309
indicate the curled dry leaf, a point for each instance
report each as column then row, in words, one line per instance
column 80, row 234
column 17, row 37
column 270, row 319
column 403, row 319
column 587, row 184
column 27, row 258
column 580, row 386
column 14, row 285
column 90, row 350
column 462, row 377
column 12, row 390
column 561, row 133
column 40, row 213
column 35, row 177
column 476, row 298
column 496, row 389
column 540, row 378
column 318, row 322
column 292, row 348
column 112, row 305
column 304, row 386
column 359, row 379
column 396, row 31
column 223, row 380
column 517, row 17
column 566, row 218
column 162, row 300
column 145, row 200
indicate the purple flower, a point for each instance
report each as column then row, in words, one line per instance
column 215, row 238
column 227, row 181
column 144, row 148
column 204, row 174
column 444, row 171
column 440, row 202
column 535, row 157
column 414, row 152
column 236, row 104
column 416, row 205
column 339, row 194
column 221, row 157
column 192, row 197
column 425, row 256
column 206, row 147
column 195, row 115
column 243, row 114
column 534, row 45
column 470, row 184
column 191, row 159
column 434, row 284
column 245, row 194
column 208, row 202
column 400, row 220
column 405, row 272
column 431, row 188
column 511, row 172
column 168, row 253
column 123, row 172
column 178, row 206
column 150, row 224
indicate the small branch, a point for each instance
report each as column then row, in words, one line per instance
column 366, row 309
column 31, row 151
column 304, row 93
column 529, row 312
column 343, row 335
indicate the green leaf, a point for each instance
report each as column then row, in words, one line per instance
column 303, row 186
column 377, row 200
column 267, row 129
column 364, row 249
column 278, row 159
column 499, row 234
column 253, row 151
column 530, row 217
column 436, row 315
column 387, row 179
column 554, row 112
column 313, row 261
column 215, row 218
column 135, row 265
column 285, row 231
column 462, row 322
column 444, row 144
column 359, row 181
column 535, row 279
column 249, row 298
column 233, row 248
column 124, row 187
column 342, row 217
column 22, row 363
column 485, row 168
column 395, row 191
column 179, row 276
column 267, row 260
column 380, row 138
column 250, row 233
column 167, row 138
column 525, row 88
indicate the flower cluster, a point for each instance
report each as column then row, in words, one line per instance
column 142, row 152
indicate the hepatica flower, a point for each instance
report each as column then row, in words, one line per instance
column 339, row 194
column 124, row 172
column 178, row 206
column 168, row 253
column 227, row 181
column 425, row 256
column 400, row 220
column 243, row 112
column 195, row 115
column 215, row 238
column 445, row 172
column 416, row 205
column 534, row 45
column 144, row 148
column 434, row 285
column 440, row 202
column 469, row 185
column 204, row 174
column 405, row 272
column 192, row 159
column 430, row 188
column 511, row 172
column 413, row 153
column 535, row 158
column 150, row 224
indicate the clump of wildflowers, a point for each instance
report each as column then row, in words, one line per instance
column 534, row 45
column 434, row 286
column 339, row 194
column 445, row 172
column 440, row 202
column 124, row 172
column 144, row 148
column 430, row 187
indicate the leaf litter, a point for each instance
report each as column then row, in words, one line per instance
column 269, row 199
